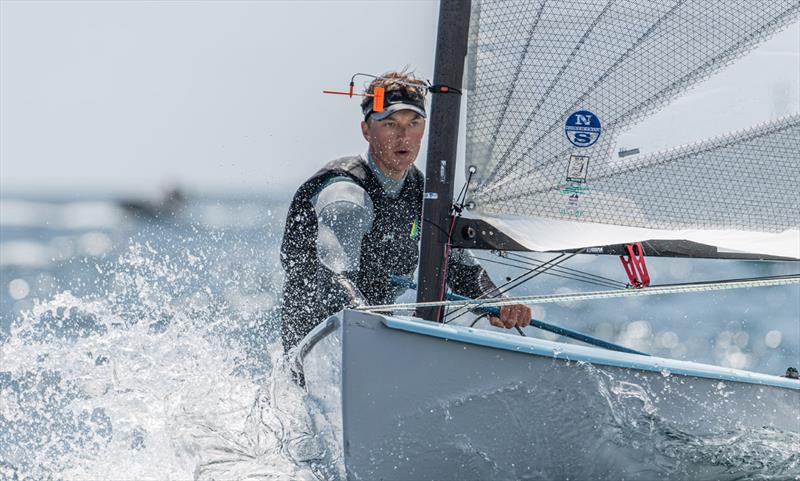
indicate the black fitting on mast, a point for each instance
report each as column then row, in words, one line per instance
column 451, row 52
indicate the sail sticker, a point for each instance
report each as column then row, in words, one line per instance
column 430, row 195
column 582, row 128
column 576, row 188
column 573, row 207
column 578, row 168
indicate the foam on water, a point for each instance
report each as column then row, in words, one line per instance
column 154, row 379
column 670, row 451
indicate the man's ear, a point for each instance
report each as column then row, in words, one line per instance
column 365, row 130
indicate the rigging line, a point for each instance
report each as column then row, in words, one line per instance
column 540, row 270
column 594, row 283
column 577, row 271
column 462, row 193
column 455, row 212
column 434, row 224
column 464, row 310
column 584, row 296
column 741, row 279
column 478, row 319
column 497, row 291
column 558, row 273
column 578, row 274
column 533, row 273
column 454, row 209
column 458, row 204
column 443, row 270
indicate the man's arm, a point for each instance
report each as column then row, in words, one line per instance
column 468, row 278
column 344, row 215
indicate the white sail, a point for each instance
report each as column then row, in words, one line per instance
column 533, row 65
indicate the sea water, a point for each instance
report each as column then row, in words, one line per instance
column 135, row 346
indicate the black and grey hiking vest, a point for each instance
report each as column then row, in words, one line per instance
column 388, row 249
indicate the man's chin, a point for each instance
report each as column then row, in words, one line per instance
column 403, row 161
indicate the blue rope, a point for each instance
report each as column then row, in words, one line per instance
column 495, row 311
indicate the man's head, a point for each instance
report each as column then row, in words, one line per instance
column 395, row 134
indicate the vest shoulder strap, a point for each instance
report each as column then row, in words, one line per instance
column 354, row 167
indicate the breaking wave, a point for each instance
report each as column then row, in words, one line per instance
column 157, row 377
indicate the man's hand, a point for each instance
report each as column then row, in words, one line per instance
column 510, row 316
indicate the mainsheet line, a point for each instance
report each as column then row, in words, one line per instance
column 584, row 296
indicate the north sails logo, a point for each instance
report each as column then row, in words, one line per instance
column 582, row 128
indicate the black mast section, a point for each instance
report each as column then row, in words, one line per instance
column 451, row 51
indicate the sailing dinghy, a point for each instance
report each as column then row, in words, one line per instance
column 550, row 88
column 400, row 398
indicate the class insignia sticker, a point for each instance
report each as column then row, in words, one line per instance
column 578, row 168
column 582, row 128
column 576, row 188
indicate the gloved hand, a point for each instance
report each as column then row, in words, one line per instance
column 352, row 295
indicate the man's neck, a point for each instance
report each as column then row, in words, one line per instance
column 391, row 186
column 393, row 174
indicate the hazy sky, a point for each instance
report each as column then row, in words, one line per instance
column 127, row 96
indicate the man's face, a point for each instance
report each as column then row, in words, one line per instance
column 394, row 141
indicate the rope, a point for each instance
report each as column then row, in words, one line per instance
column 560, row 271
column 513, row 283
column 578, row 272
column 584, row 296
column 455, row 212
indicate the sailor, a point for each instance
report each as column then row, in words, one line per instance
column 355, row 223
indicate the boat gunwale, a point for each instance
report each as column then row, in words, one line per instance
column 587, row 354
column 317, row 334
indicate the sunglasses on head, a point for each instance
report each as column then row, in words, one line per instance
column 400, row 96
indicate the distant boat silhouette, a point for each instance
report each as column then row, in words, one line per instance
column 167, row 207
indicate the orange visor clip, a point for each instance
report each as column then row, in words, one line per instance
column 377, row 100
column 377, row 97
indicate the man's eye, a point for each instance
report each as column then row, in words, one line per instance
column 390, row 125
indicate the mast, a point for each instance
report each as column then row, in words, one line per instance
column 451, row 51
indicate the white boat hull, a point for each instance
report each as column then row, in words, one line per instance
column 405, row 399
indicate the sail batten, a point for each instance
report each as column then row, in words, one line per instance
column 533, row 64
